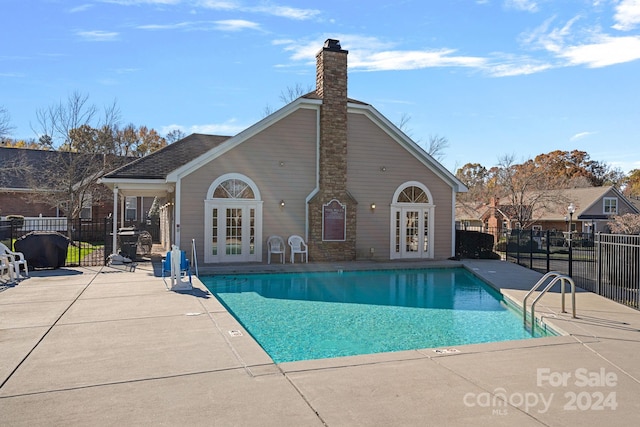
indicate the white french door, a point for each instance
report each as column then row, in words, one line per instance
column 234, row 231
column 411, row 232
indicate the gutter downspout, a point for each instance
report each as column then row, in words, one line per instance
column 176, row 212
column 453, row 222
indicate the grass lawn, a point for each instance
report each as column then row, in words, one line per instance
column 76, row 253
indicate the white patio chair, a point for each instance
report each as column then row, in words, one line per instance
column 275, row 245
column 17, row 258
column 6, row 268
column 298, row 246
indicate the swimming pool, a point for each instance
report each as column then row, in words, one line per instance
column 301, row 316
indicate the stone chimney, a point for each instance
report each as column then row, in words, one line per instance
column 331, row 86
column 332, row 212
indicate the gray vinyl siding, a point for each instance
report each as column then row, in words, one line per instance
column 370, row 149
column 598, row 207
column 291, row 141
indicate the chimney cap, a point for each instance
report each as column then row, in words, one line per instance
column 333, row 44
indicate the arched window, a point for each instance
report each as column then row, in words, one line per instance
column 233, row 186
column 412, row 194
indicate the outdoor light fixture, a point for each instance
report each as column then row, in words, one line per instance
column 373, row 206
column 383, row 169
column 282, row 203
column 571, row 209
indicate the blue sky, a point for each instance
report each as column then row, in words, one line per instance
column 495, row 77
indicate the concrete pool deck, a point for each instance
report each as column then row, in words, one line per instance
column 99, row 347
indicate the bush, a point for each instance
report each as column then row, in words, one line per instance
column 474, row 244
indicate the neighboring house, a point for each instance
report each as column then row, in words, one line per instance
column 593, row 210
column 328, row 168
column 22, row 193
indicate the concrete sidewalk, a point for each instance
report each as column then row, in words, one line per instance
column 109, row 347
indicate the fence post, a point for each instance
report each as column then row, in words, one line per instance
column 517, row 247
column 531, row 249
column 570, row 254
column 548, row 252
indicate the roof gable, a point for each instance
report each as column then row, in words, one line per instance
column 312, row 101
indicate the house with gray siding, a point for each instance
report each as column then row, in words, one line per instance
column 326, row 167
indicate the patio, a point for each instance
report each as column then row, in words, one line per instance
column 104, row 346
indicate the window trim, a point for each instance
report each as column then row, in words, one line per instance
column 605, row 205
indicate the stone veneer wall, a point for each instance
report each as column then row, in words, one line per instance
column 331, row 86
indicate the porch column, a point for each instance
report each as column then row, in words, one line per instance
column 114, row 240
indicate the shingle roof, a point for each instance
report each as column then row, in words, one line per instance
column 159, row 164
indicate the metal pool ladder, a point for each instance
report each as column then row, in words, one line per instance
column 562, row 278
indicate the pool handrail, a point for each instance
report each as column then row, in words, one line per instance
column 563, row 278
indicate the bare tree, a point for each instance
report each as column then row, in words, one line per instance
column 527, row 189
column 174, row 135
column 437, row 145
column 59, row 120
column 290, row 94
column 5, row 124
column 85, row 140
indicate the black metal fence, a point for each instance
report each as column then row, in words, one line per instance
column 606, row 264
column 90, row 241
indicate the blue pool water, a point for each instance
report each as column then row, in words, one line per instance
column 320, row 315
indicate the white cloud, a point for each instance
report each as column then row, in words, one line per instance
column 285, row 12
column 604, row 51
column 580, row 135
column 411, row 60
column 236, row 25
column 548, row 39
column 525, row 5
column 517, row 68
column 80, row 8
column 98, row 36
column 176, row 26
column 583, row 46
column 219, row 4
column 139, row 2
column 373, row 54
column 269, row 9
column 230, row 127
column 223, row 25
column 627, row 15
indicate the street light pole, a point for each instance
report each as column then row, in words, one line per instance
column 571, row 208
